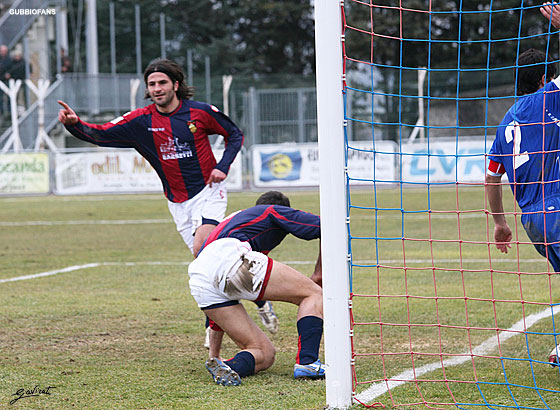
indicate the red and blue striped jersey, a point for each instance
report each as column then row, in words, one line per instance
column 265, row 226
column 175, row 144
column 527, row 146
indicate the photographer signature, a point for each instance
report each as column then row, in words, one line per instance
column 34, row 392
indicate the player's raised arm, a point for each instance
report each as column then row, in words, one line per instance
column 66, row 115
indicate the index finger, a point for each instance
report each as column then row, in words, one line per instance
column 64, row 105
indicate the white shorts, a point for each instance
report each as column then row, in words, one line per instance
column 228, row 270
column 208, row 204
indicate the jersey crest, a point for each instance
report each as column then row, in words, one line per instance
column 192, row 126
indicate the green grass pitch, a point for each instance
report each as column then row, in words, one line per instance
column 121, row 331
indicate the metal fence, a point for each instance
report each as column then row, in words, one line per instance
column 91, row 95
column 280, row 115
column 88, row 95
column 266, row 116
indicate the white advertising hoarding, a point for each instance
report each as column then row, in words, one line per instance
column 104, row 172
column 116, row 171
column 26, row 173
column 297, row 165
column 450, row 161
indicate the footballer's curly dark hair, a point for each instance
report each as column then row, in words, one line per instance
column 531, row 66
column 174, row 72
column 273, row 198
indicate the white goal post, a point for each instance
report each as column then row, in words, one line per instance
column 334, row 239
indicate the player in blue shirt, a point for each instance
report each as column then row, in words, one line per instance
column 526, row 149
column 233, row 265
column 551, row 11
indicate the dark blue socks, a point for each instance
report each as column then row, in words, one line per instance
column 243, row 363
column 310, row 331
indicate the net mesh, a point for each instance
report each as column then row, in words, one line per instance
column 439, row 317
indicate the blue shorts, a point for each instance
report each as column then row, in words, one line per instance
column 534, row 219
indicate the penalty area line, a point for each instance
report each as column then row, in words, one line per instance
column 484, row 348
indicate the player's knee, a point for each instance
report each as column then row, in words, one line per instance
column 315, row 292
column 264, row 353
column 197, row 244
column 318, row 301
column 269, row 355
column 314, row 301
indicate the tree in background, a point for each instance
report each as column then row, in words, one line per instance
column 256, row 40
column 239, row 36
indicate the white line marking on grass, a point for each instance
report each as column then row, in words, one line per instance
column 96, row 264
column 51, row 272
column 92, row 222
column 408, row 261
column 86, row 266
column 160, row 221
column 411, row 261
column 419, row 215
column 85, row 198
column 484, row 348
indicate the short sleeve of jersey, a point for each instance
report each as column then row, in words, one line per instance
column 495, row 161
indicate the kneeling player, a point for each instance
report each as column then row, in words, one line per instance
column 233, row 265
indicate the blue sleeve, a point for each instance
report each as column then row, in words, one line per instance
column 219, row 123
column 301, row 224
column 119, row 133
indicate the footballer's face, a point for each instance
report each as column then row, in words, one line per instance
column 162, row 91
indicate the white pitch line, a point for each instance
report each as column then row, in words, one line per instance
column 92, row 222
column 420, row 215
column 51, row 272
column 96, row 264
column 451, row 260
column 484, row 348
column 86, row 266
column 86, row 198
column 159, row 221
